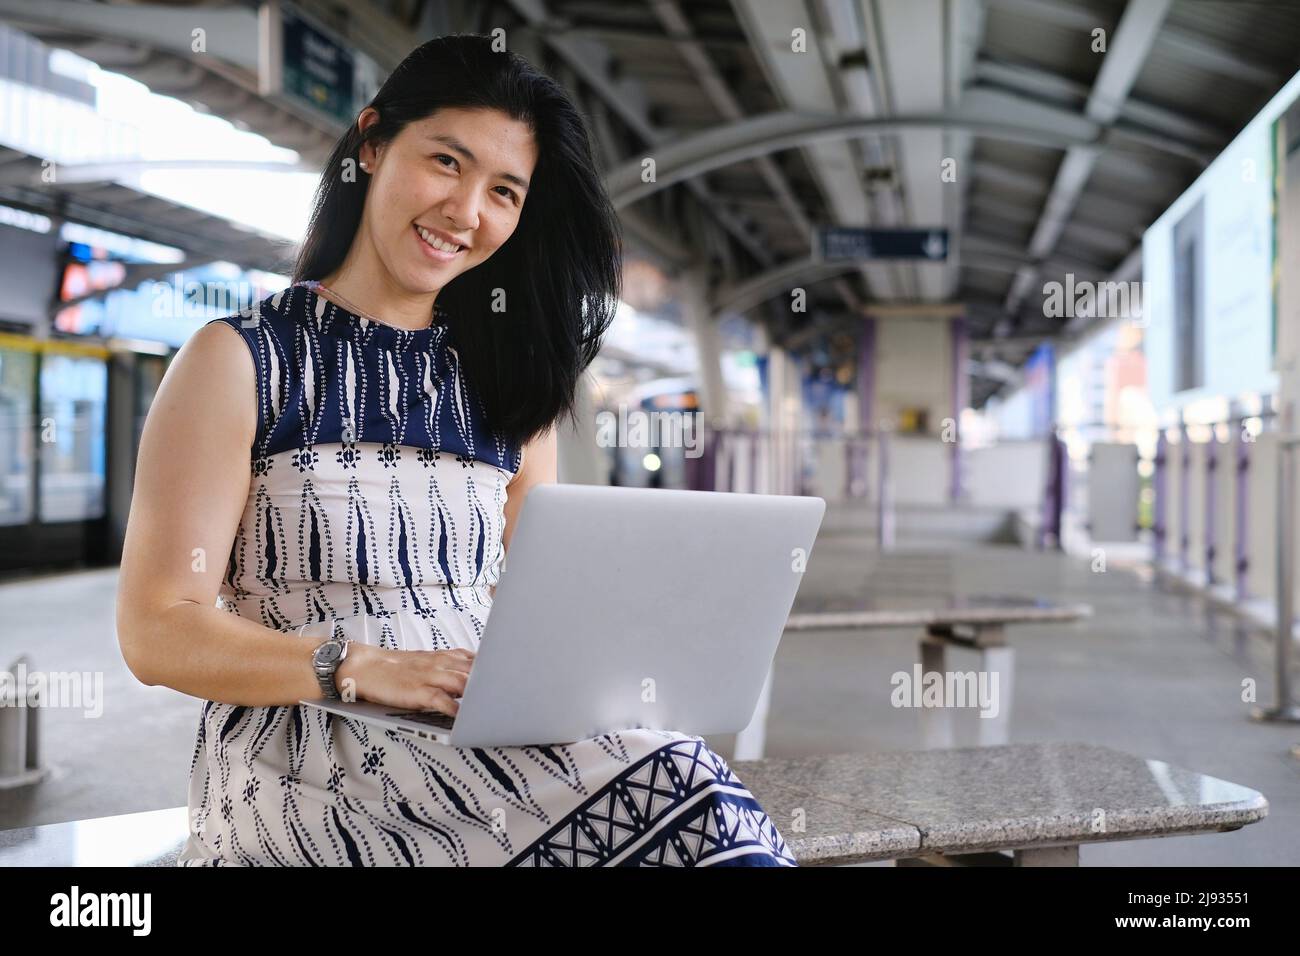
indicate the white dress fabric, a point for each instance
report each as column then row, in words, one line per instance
column 377, row 500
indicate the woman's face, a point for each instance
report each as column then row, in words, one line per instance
column 446, row 193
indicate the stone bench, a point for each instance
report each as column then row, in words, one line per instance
column 151, row 838
column 977, row 623
column 1022, row 805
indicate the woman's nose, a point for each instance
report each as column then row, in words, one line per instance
column 461, row 210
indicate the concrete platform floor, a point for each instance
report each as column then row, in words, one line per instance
column 1156, row 673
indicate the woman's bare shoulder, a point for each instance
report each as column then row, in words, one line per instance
column 212, row 379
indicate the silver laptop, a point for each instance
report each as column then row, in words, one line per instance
column 621, row 608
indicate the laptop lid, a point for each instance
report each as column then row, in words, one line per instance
column 633, row 607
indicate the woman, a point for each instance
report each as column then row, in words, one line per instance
column 366, row 466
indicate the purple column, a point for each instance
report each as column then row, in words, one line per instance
column 1158, row 479
column 701, row 471
column 858, row 450
column 866, row 400
column 867, row 374
column 1054, row 498
column 960, row 352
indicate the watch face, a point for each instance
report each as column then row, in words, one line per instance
column 328, row 653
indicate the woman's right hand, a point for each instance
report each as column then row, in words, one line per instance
column 411, row 680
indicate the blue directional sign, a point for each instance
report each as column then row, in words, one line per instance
column 838, row 243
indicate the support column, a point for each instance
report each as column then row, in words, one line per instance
column 867, row 374
column 777, row 445
column 866, row 389
column 698, row 314
column 579, row 458
column 959, row 393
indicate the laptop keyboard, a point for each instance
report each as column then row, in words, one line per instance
column 430, row 717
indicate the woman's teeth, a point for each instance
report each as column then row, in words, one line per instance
column 437, row 243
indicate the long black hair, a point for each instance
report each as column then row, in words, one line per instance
column 559, row 271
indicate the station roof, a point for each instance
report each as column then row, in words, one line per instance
column 1116, row 136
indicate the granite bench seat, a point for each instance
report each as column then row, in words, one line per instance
column 977, row 623
column 1037, row 802
column 1019, row 804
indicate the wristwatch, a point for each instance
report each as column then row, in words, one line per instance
column 325, row 661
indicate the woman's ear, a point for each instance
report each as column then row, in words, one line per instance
column 367, row 155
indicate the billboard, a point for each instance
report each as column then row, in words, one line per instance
column 1208, row 270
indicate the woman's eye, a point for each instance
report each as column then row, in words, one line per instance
column 507, row 192
column 441, row 156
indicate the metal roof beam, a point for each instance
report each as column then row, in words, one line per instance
column 1144, row 116
column 593, row 62
column 981, row 112
column 913, row 72
column 1123, row 61
column 719, row 92
column 812, row 80
column 743, row 296
column 1186, row 46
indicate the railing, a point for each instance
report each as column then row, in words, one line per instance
column 882, row 471
column 767, row 461
column 1238, row 449
column 1284, row 709
column 1260, row 501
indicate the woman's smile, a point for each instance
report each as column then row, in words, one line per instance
column 435, row 247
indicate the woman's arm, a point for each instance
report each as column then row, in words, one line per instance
column 540, row 466
column 191, row 485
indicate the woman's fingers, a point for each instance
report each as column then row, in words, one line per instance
column 443, row 702
column 452, row 681
column 453, row 663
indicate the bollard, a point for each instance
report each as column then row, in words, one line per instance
column 19, row 727
column 1284, row 710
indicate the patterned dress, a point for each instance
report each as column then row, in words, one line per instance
column 377, row 500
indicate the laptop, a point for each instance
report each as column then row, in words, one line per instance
column 622, row 608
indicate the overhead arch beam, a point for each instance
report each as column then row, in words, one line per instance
column 743, row 296
column 981, row 112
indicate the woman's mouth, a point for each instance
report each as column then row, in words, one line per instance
column 435, row 247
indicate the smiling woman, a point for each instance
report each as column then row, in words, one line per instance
column 431, row 216
column 356, row 449
column 469, row 146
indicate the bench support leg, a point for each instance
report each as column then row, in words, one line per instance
column 1048, row 856
column 751, row 741
column 1038, row 856
column 936, row 722
column 995, row 731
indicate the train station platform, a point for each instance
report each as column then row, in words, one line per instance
column 1155, row 673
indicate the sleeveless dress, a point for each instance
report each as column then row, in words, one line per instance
column 377, row 500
